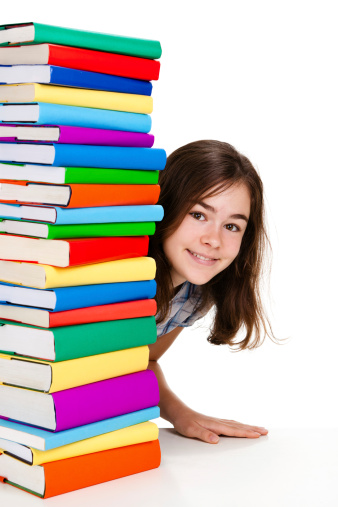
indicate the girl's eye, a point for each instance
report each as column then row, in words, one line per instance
column 232, row 227
column 197, row 215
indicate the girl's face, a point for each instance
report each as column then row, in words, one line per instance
column 210, row 236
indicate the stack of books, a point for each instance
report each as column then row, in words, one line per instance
column 78, row 194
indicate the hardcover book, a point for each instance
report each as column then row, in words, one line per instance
column 42, row 276
column 150, row 159
column 91, row 314
column 82, row 296
column 77, row 195
column 50, row 74
column 74, row 135
column 67, row 475
column 72, row 231
column 43, row 113
column 94, row 215
column 50, row 174
column 38, row 32
column 80, row 405
column 74, row 341
column 71, row 252
column 44, row 440
column 136, row 434
column 76, row 97
column 54, row 377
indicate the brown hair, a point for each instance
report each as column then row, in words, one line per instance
column 202, row 169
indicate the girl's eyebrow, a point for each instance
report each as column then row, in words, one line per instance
column 239, row 216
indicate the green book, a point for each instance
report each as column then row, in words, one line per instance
column 51, row 231
column 65, row 175
column 37, row 33
column 71, row 342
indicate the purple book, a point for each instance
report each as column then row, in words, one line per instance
column 80, row 405
column 74, row 135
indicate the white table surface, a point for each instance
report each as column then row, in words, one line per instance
column 291, row 468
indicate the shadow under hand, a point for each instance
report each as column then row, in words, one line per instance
column 174, row 445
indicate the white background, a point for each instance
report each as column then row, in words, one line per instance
column 262, row 76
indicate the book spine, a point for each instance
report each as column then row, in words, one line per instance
column 57, row 114
column 115, row 311
column 87, row 404
column 92, row 98
column 109, row 214
column 79, row 472
column 136, row 434
column 97, row 81
column 97, row 230
column 103, row 42
column 110, row 195
column 110, row 176
column 151, row 159
column 101, row 137
column 86, row 370
column 105, row 63
column 70, row 298
column 75, row 341
column 91, row 250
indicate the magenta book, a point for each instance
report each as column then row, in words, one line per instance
column 80, row 405
column 74, row 135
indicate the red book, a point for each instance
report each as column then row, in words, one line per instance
column 71, row 252
column 114, row 311
column 77, row 195
column 82, row 59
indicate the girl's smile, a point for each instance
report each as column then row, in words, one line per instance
column 209, row 237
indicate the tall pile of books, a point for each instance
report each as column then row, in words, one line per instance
column 78, row 193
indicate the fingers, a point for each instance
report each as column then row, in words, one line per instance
column 195, row 430
column 257, row 429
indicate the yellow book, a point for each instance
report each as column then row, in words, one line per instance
column 52, row 377
column 67, row 96
column 42, row 276
column 142, row 432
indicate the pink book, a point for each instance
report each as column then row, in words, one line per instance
column 74, row 135
column 80, row 405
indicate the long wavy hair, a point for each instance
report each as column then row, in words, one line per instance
column 193, row 172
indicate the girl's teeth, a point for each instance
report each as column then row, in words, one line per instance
column 203, row 258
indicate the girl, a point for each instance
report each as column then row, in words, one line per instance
column 209, row 251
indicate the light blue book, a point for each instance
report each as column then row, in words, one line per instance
column 68, row 216
column 42, row 113
column 45, row 440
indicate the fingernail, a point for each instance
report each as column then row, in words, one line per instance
column 214, row 439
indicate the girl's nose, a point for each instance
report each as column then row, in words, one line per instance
column 211, row 237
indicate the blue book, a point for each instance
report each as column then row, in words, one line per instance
column 68, row 216
column 43, row 113
column 50, row 74
column 45, row 440
column 79, row 296
column 79, row 155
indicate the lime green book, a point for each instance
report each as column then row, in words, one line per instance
column 36, row 33
column 51, row 231
column 65, row 175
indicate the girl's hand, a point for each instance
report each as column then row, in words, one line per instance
column 192, row 424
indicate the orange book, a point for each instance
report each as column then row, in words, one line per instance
column 70, row 474
column 77, row 195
